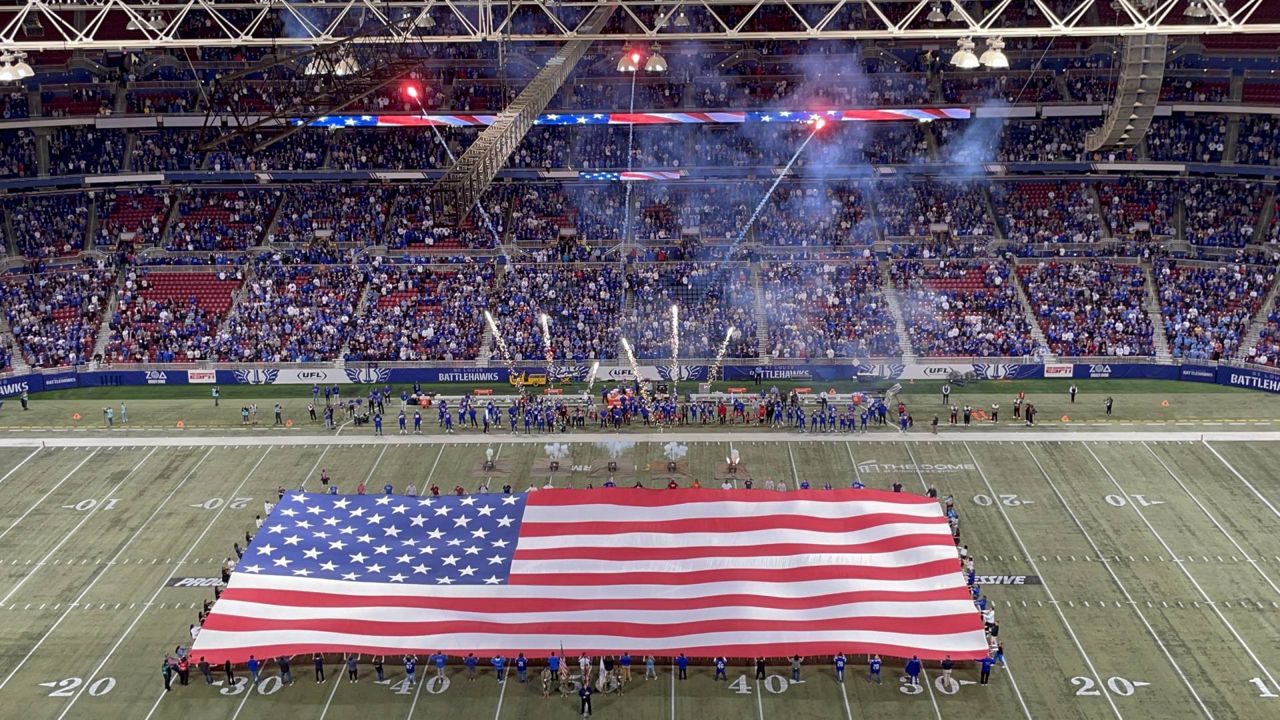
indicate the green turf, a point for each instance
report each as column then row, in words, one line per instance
column 1053, row 510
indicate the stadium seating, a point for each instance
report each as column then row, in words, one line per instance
column 169, row 316
column 582, row 302
column 961, row 308
column 417, row 311
column 221, row 220
column 1207, row 308
column 55, row 315
column 712, row 297
column 1090, row 308
column 820, row 309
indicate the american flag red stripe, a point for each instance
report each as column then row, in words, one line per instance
column 704, row 572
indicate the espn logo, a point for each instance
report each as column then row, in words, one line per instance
column 1059, row 370
column 193, row 582
column 202, row 376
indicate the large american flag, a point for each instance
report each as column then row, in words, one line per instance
column 705, row 572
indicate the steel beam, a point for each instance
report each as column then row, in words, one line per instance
column 101, row 24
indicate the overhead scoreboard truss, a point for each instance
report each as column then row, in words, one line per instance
column 36, row 25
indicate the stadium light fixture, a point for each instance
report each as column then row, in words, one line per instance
column 18, row 60
column 630, row 61
column 7, row 73
column 955, row 15
column 655, row 63
column 682, row 20
column 935, row 15
column 425, row 20
column 964, row 57
column 994, row 56
column 1195, row 9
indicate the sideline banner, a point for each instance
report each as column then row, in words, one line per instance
column 1266, row 380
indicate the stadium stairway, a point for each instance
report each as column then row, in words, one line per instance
column 361, row 308
column 237, row 297
column 899, row 323
column 1037, row 333
column 10, row 243
column 104, row 325
column 1265, row 217
column 992, row 217
column 1233, row 134
column 485, row 354
column 1092, row 193
column 19, row 363
column 1158, row 338
column 1260, row 320
column 762, row 315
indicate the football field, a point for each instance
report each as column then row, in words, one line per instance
column 1134, row 575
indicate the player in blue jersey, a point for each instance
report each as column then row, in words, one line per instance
column 721, row 665
column 987, row 662
column 471, row 661
column 839, row 661
column 500, row 667
column 411, row 668
column 873, row 670
column 448, row 423
column 377, row 424
column 439, row 659
column 402, row 423
column 417, row 423
column 913, row 670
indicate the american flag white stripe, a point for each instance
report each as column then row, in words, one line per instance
column 704, row 572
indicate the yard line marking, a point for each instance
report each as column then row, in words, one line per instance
column 937, row 711
column 47, row 494
column 1044, row 584
column 857, row 474
column 324, row 711
column 87, row 516
column 1212, row 519
column 1208, row 600
column 120, row 640
column 413, row 705
column 312, row 471
column 925, row 486
column 794, row 473
column 1242, row 478
column 673, row 695
column 759, row 701
column 374, row 469
column 1116, row 578
column 24, row 462
column 98, row 576
column 848, row 713
column 501, row 693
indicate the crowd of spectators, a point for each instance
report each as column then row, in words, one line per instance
column 1036, row 212
column 815, row 215
column 18, row 153
column 417, row 311
column 980, row 87
column 298, row 313
column 961, row 308
column 13, row 103
column 1138, row 207
column 582, row 303
column 55, row 315
column 166, row 150
column 336, row 212
column 302, row 150
column 1258, row 141
column 141, row 213
column 1266, row 351
column 49, row 226
column 1221, row 213
column 925, row 207
column 820, row 309
column 221, row 220
column 1207, row 309
column 1090, row 308
column 1182, row 89
column 148, row 325
column 397, row 148
column 1188, row 138
column 85, row 151
column 712, row 297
